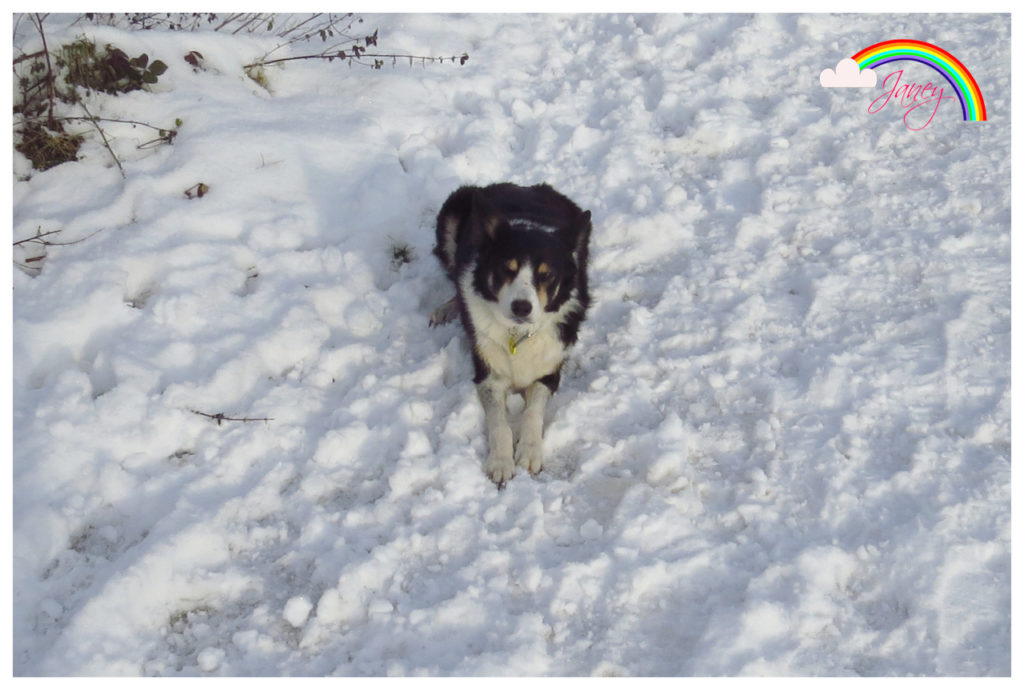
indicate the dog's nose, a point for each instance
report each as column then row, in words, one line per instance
column 521, row 308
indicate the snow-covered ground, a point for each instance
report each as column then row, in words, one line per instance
column 782, row 445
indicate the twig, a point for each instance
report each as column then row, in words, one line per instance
column 93, row 118
column 51, row 80
column 103, row 136
column 342, row 55
column 265, row 164
column 227, row 21
column 27, row 56
column 38, row 238
column 258, row 18
column 166, row 135
column 307, row 20
column 220, row 417
column 329, row 26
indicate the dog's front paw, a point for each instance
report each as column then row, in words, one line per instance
column 529, row 455
column 500, row 468
column 445, row 313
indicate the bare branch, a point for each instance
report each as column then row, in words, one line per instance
column 103, row 135
column 51, row 80
column 38, row 237
column 357, row 56
column 220, row 417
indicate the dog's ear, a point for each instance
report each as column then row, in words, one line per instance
column 577, row 235
column 484, row 219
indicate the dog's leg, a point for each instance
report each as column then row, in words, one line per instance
column 446, row 312
column 493, row 397
column 529, row 453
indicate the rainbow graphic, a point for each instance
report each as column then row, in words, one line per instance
column 971, row 101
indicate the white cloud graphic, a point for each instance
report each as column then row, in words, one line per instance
column 848, row 74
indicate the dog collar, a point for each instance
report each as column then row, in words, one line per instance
column 514, row 342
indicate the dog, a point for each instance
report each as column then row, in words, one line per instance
column 518, row 259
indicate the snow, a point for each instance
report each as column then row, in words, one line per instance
column 296, row 611
column 781, row 447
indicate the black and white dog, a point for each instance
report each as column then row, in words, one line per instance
column 518, row 258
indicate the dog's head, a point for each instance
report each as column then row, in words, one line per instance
column 526, row 270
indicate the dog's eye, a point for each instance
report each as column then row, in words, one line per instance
column 544, row 276
column 511, row 267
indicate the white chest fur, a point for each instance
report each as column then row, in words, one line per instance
column 535, row 357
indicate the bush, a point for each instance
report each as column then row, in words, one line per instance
column 44, row 78
column 110, row 71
